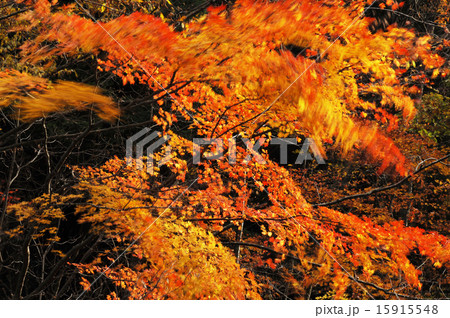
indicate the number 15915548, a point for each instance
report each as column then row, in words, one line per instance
column 407, row 309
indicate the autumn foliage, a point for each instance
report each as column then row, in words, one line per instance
column 34, row 97
column 240, row 229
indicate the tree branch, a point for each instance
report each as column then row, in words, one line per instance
column 57, row 267
column 268, row 249
column 394, row 185
column 13, row 14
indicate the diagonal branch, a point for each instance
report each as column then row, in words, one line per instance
column 13, row 14
column 376, row 190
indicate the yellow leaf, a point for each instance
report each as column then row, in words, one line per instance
column 435, row 73
column 437, row 264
